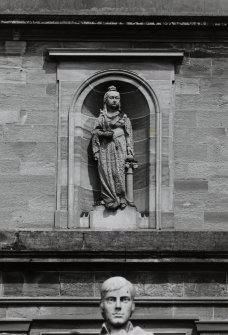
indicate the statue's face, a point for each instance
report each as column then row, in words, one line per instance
column 113, row 99
column 117, row 307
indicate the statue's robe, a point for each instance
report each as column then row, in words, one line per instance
column 111, row 154
column 129, row 330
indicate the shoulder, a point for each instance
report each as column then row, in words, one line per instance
column 140, row 331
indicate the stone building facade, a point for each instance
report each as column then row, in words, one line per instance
column 52, row 264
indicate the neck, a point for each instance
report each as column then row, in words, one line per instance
column 116, row 330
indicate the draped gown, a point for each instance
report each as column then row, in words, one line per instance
column 111, row 154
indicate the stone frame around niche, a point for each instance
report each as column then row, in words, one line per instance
column 156, row 85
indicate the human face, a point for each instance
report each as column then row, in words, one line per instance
column 117, row 307
column 113, row 99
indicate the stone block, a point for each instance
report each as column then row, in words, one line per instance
column 36, row 168
column 200, row 102
column 15, row 47
column 211, row 119
column 205, row 284
column 3, row 312
column 197, row 136
column 167, row 220
column 22, row 90
column 8, row 166
column 32, row 218
column 10, row 61
column 9, row 116
column 34, row 61
column 48, row 117
column 187, row 85
column 219, row 67
column 51, row 89
column 12, row 75
column 25, row 188
column 68, row 312
column 218, row 152
column 29, row 133
column 202, row 313
column 191, row 185
column 189, row 220
column 191, row 152
column 204, row 170
column 80, row 284
column 27, row 103
column 213, row 85
column 33, row 284
column 38, row 76
column 164, row 284
column 196, row 67
column 220, row 313
column 215, row 217
column 29, row 151
column 28, row 312
column 218, row 185
column 216, row 202
column 103, row 219
column 185, row 119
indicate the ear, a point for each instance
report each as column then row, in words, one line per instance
column 133, row 307
column 102, row 308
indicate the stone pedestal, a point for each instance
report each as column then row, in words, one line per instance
column 121, row 219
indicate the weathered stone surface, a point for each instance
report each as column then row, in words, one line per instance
column 205, row 284
column 200, row 135
column 29, row 133
column 191, row 152
column 219, row 67
column 12, row 75
column 15, row 47
column 191, row 185
column 203, row 313
column 129, row 241
column 9, row 116
column 185, row 119
column 77, row 284
column 192, row 67
column 22, row 312
column 31, row 284
column 8, row 166
column 142, row 7
column 164, row 284
column 187, row 85
column 189, row 220
column 215, row 217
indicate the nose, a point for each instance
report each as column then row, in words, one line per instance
column 118, row 304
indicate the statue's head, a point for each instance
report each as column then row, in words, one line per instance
column 117, row 301
column 112, row 98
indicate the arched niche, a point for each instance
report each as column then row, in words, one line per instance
column 139, row 102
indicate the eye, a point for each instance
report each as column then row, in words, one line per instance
column 125, row 299
column 111, row 299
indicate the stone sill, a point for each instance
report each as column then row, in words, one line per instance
column 120, row 246
column 205, row 20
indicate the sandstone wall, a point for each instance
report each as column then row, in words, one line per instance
column 28, row 134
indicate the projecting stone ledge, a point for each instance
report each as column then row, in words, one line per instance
column 100, row 245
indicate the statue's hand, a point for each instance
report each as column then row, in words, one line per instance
column 106, row 134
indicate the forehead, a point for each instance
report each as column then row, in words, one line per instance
column 122, row 292
column 113, row 93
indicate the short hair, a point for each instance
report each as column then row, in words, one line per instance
column 115, row 284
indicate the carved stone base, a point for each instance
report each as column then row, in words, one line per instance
column 103, row 219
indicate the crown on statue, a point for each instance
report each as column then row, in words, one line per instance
column 112, row 88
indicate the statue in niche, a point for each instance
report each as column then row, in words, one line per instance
column 117, row 306
column 113, row 149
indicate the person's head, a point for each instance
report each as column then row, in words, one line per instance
column 112, row 98
column 117, row 301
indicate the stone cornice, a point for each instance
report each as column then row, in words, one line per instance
column 121, row 247
column 113, row 20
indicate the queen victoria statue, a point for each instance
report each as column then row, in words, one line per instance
column 112, row 144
